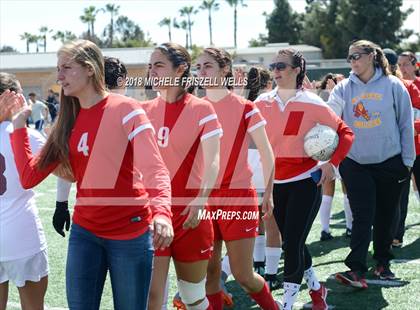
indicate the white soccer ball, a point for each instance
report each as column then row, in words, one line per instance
column 320, row 142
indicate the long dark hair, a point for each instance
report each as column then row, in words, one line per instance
column 258, row 79
column 379, row 59
column 223, row 59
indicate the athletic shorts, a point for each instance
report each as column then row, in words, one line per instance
column 189, row 245
column 235, row 214
column 32, row 268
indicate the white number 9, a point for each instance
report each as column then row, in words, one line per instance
column 163, row 137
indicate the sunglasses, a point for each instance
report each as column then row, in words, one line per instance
column 355, row 56
column 279, row 66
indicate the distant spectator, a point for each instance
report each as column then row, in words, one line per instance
column 51, row 103
column 39, row 112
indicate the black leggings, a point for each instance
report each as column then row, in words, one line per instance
column 374, row 192
column 296, row 205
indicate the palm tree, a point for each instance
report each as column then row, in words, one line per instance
column 210, row 5
column 64, row 36
column 113, row 10
column 184, row 26
column 89, row 18
column 28, row 38
column 37, row 40
column 167, row 21
column 234, row 4
column 44, row 30
column 188, row 11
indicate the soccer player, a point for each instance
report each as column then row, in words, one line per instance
column 188, row 135
column 240, row 120
column 291, row 112
column 106, row 144
column 377, row 107
column 23, row 248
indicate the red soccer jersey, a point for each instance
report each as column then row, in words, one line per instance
column 414, row 92
column 287, row 125
column 117, row 167
column 238, row 117
column 180, row 128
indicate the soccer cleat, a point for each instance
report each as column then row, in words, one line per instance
column 351, row 278
column 259, row 267
column 348, row 233
column 319, row 298
column 397, row 243
column 177, row 302
column 273, row 281
column 325, row 236
column 279, row 305
column 384, row 273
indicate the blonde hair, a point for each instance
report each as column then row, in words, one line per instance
column 86, row 54
column 379, row 59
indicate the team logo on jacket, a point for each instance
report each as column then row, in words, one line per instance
column 364, row 117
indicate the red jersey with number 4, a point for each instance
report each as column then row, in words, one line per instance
column 180, row 128
column 287, row 125
column 121, row 179
column 239, row 117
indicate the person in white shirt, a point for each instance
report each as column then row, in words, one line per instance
column 23, row 248
column 39, row 112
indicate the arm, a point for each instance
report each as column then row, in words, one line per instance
column 259, row 136
column 211, row 157
column 404, row 115
column 336, row 101
column 61, row 215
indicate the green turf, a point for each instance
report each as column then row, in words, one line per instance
column 327, row 258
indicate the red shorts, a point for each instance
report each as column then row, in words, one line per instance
column 237, row 215
column 189, row 245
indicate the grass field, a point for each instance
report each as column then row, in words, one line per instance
column 401, row 294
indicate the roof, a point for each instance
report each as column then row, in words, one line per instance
column 48, row 61
column 273, row 48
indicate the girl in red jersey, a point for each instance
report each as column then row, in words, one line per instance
column 106, row 142
column 291, row 112
column 240, row 120
column 188, row 135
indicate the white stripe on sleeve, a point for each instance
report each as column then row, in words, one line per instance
column 132, row 114
column 140, row 129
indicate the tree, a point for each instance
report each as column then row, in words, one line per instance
column 188, row 11
column 184, row 26
column 210, row 5
column 8, row 49
column 167, row 21
column 89, row 18
column 129, row 34
column 44, row 30
column 262, row 40
column 113, row 10
column 64, row 36
column 28, row 37
column 333, row 24
column 234, row 4
column 283, row 23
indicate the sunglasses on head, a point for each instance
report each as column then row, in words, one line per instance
column 279, row 66
column 356, row 56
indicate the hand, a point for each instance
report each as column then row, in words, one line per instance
column 61, row 217
column 24, row 111
column 162, row 231
column 328, row 173
column 10, row 103
column 267, row 205
column 193, row 210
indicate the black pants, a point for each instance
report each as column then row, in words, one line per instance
column 374, row 192
column 416, row 171
column 399, row 220
column 296, row 205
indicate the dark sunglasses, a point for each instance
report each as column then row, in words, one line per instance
column 279, row 66
column 355, row 56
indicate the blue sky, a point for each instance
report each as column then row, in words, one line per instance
column 19, row 16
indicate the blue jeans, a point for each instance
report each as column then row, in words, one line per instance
column 88, row 260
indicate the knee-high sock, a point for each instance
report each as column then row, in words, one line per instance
column 259, row 248
column 347, row 212
column 311, row 279
column 325, row 212
column 291, row 291
column 264, row 298
column 216, row 300
column 272, row 258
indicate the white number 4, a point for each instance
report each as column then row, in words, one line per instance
column 83, row 146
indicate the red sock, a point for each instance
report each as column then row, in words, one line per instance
column 216, row 300
column 264, row 298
